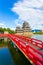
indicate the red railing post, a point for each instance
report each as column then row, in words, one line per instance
column 42, row 44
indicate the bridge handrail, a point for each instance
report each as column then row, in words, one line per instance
column 25, row 48
column 32, row 53
column 35, row 42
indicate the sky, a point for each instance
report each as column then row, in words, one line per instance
column 14, row 12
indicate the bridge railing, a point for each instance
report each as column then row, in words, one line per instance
column 33, row 41
column 3, row 35
column 30, row 52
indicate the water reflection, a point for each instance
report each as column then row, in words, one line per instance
column 5, row 57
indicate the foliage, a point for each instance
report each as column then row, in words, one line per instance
column 6, row 29
column 2, row 43
column 1, row 29
column 38, row 33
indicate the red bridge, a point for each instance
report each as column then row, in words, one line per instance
column 31, row 48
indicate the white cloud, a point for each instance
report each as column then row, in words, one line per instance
column 18, row 22
column 3, row 25
column 12, row 29
column 31, row 11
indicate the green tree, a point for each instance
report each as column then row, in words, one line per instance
column 7, row 29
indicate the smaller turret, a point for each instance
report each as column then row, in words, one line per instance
column 19, row 29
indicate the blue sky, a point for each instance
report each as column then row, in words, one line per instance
column 7, row 17
column 14, row 12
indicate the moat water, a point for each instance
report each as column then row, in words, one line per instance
column 39, row 37
column 5, row 57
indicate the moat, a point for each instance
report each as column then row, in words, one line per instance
column 10, row 55
column 5, row 57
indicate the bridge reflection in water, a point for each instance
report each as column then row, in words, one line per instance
column 31, row 48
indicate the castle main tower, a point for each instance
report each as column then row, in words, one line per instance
column 26, row 27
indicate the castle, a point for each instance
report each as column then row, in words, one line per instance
column 25, row 28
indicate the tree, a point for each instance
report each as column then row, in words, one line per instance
column 8, row 30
